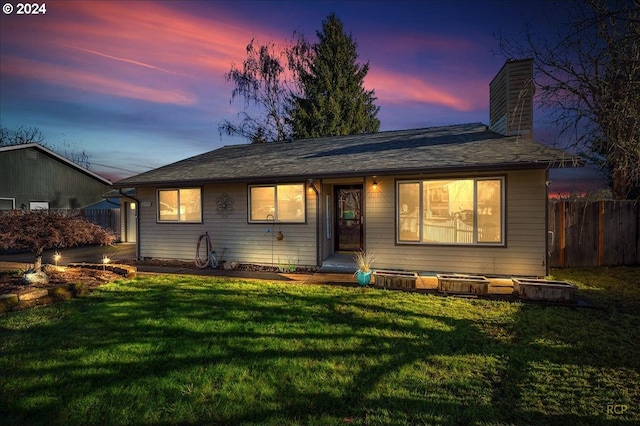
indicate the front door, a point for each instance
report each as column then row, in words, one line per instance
column 348, row 218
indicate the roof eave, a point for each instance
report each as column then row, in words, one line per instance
column 561, row 163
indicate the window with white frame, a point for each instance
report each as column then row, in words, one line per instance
column 451, row 211
column 283, row 203
column 38, row 205
column 7, row 203
column 180, row 205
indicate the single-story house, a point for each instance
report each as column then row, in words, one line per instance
column 466, row 198
column 34, row 177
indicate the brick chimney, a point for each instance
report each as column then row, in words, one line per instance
column 511, row 99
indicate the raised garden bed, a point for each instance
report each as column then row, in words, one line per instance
column 394, row 279
column 463, row 284
column 544, row 290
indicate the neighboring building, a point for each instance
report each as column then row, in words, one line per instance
column 34, row 177
column 458, row 199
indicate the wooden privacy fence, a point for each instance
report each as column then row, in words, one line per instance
column 594, row 233
column 107, row 218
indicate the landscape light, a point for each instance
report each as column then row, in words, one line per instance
column 105, row 260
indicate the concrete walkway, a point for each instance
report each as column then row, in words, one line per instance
column 123, row 252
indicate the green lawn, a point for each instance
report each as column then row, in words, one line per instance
column 185, row 350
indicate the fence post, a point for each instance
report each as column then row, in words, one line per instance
column 600, row 233
column 561, row 234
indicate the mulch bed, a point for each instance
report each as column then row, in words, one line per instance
column 192, row 265
column 11, row 282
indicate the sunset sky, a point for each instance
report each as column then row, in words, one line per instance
column 140, row 84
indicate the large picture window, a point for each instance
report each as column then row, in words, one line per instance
column 180, row 205
column 284, row 203
column 451, row 211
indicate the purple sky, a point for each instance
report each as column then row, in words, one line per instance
column 140, row 84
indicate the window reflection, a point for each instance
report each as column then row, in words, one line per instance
column 450, row 211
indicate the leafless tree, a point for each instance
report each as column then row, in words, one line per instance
column 25, row 135
column 588, row 77
column 265, row 82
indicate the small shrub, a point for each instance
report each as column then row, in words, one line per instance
column 79, row 289
column 60, row 294
column 364, row 260
column 7, row 302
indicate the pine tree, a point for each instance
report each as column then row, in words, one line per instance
column 333, row 101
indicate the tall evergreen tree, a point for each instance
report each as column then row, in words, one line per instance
column 333, row 100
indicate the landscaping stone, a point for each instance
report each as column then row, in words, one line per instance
column 230, row 266
column 35, row 278
column 126, row 271
column 35, row 293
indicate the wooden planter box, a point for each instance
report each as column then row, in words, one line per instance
column 395, row 279
column 546, row 290
column 463, row 284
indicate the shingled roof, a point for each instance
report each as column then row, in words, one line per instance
column 402, row 152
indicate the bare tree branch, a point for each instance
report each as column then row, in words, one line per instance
column 589, row 78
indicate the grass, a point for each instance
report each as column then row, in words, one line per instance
column 187, row 350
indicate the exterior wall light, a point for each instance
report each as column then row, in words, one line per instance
column 311, row 187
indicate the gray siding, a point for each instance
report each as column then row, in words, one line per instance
column 31, row 175
column 524, row 253
column 231, row 235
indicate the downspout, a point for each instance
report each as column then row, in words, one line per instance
column 546, row 222
column 137, row 221
column 319, row 221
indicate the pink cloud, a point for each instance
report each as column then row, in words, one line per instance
column 159, row 52
column 394, row 87
column 449, row 81
column 87, row 81
column 128, row 49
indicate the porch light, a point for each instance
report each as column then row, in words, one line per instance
column 311, row 188
column 374, row 185
column 56, row 258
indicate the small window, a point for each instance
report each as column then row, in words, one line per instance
column 38, row 205
column 451, row 211
column 179, row 205
column 7, row 203
column 284, row 203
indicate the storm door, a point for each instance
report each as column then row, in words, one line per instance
column 348, row 218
